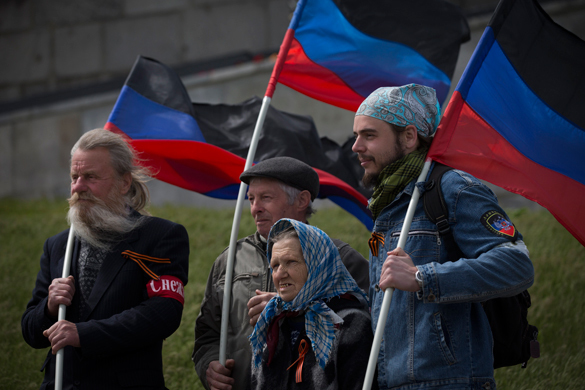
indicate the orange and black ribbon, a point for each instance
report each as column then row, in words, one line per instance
column 139, row 259
column 303, row 349
column 374, row 243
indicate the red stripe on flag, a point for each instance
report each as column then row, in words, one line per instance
column 192, row 165
column 469, row 143
column 284, row 49
column 311, row 79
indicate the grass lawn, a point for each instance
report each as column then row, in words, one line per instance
column 558, row 304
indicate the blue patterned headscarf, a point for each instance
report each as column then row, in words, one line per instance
column 327, row 278
column 410, row 104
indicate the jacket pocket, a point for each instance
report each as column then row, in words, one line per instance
column 422, row 245
column 444, row 339
column 245, row 279
column 243, row 288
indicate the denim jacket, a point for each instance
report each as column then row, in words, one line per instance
column 440, row 337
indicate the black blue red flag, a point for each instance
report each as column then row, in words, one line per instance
column 342, row 50
column 517, row 117
column 203, row 147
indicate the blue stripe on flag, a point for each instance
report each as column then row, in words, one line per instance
column 340, row 47
column 141, row 118
column 530, row 125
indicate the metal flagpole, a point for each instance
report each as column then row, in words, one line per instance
column 63, row 308
column 389, row 292
column 225, row 311
column 282, row 53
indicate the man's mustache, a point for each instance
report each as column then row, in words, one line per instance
column 362, row 157
column 77, row 196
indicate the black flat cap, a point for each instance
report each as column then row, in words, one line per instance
column 288, row 170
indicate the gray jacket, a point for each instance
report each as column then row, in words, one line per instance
column 251, row 272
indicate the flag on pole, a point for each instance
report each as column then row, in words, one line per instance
column 342, row 50
column 517, row 116
column 203, row 147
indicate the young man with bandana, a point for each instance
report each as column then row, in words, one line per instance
column 437, row 334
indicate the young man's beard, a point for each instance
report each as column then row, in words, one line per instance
column 100, row 223
column 371, row 179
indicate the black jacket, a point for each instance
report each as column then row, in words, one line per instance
column 122, row 332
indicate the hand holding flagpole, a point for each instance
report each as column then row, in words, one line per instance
column 284, row 47
column 63, row 308
column 225, row 313
column 388, row 292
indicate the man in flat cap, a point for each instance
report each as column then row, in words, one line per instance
column 280, row 187
column 437, row 335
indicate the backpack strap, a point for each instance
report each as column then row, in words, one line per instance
column 437, row 211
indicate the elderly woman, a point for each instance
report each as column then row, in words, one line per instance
column 316, row 333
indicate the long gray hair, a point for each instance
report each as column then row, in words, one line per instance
column 123, row 159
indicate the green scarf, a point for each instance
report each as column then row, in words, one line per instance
column 394, row 178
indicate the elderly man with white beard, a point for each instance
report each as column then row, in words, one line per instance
column 128, row 270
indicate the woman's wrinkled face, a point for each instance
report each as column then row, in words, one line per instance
column 289, row 270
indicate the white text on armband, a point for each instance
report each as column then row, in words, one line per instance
column 168, row 287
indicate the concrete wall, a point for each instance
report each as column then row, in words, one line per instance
column 46, row 46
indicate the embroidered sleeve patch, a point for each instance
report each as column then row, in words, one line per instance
column 168, row 287
column 496, row 223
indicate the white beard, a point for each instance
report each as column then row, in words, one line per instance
column 100, row 223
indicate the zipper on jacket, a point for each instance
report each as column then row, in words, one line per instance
column 245, row 276
column 263, row 254
column 238, row 277
column 269, row 274
column 421, row 233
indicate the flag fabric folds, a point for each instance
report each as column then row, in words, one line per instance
column 203, row 147
column 517, row 117
column 342, row 50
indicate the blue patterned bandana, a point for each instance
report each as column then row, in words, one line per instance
column 327, row 278
column 410, row 104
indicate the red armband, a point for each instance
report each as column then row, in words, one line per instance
column 167, row 286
